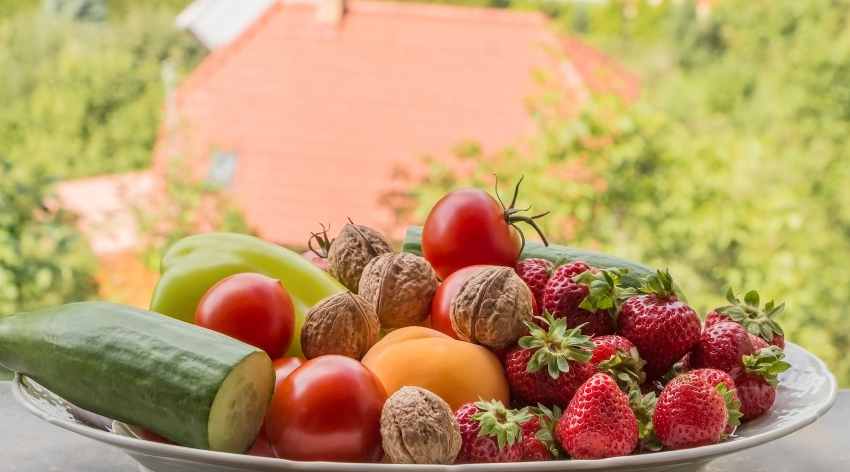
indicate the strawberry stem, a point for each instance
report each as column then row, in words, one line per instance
column 555, row 347
column 733, row 406
column 749, row 314
column 499, row 422
column 767, row 363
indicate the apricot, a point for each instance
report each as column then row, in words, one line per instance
column 458, row 371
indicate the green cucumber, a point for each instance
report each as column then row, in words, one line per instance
column 556, row 254
column 193, row 386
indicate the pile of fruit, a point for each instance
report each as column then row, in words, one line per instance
column 470, row 345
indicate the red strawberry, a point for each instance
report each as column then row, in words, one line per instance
column 662, row 327
column 582, row 295
column 490, row 432
column 549, row 365
column 598, row 421
column 535, row 273
column 722, row 346
column 756, row 382
column 754, row 318
column 716, row 377
column 538, row 441
column 618, row 357
column 690, row 412
column 757, row 342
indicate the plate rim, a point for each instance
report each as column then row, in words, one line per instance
column 181, row 453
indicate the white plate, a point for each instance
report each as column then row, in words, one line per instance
column 806, row 392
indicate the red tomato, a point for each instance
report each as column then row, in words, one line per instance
column 283, row 367
column 469, row 227
column 252, row 308
column 441, row 305
column 261, row 446
column 329, row 409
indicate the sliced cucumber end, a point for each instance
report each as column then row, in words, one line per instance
column 239, row 406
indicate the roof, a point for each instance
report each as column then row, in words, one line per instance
column 218, row 22
column 107, row 207
column 311, row 121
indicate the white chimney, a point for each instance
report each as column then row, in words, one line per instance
column 330, row 11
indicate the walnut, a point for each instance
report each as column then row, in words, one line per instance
column 491, row 308
column 418, row 427
column 353, row 248
column 400, row 286
column 344, row 324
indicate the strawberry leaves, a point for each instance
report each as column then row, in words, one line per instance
column 556, row 346
column 499, row 422
column 545, row 433
column 626, row 370
column 605, row 291
column 660, row 284
column 749, row 314
column 767, row 363
column 733, row 406
column 643, row 405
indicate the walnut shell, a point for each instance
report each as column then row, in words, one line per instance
column 344, row 324
column 491, row 306
column 400, row 286
column 353, row 248
column 418, row 427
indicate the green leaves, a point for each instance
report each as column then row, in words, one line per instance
column 767, row 363
column 733, row 406
column 605, row 291
column 555, row 347
column 499, row 422
column 757, row 320
column 659, row 284
column 626, row 370
column 643, row 405
column 548, row 418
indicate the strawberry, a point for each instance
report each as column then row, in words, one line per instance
column 722, row 346
column 549, row 365
column 618, row 357
column 690, row 412
column 583, row 295
column 714, row 378
column 535, row 273
column 756, row 383
column 538, row 440
column 490, row 432
column 662, row 327
column 598, row 422
column 755, row 319
column 757, row 342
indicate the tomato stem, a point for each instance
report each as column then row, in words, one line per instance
column 512, row 216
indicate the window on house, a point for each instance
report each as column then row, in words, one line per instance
column 222, row 168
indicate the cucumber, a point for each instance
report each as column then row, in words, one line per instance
column 193, row 386
column 556, row 254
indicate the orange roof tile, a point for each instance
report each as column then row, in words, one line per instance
column 319, row 116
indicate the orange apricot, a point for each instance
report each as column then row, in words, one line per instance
column 458, row 371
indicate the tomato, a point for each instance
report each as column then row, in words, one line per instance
column 469, row 227
column 253, row 308
column 261, row 447
column 329, row 409
column 283, row 367
column 441, row 305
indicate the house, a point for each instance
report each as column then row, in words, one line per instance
column 310, row 113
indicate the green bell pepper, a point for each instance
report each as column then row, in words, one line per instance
column 194, row 264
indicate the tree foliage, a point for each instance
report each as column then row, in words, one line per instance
column 731, row 169
column 43, row 258
column 83, row 98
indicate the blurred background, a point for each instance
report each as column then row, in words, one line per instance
column 710, row 137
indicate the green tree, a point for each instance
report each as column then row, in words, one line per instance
column 731, row 169
column 83, row 98
column 43, row 258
